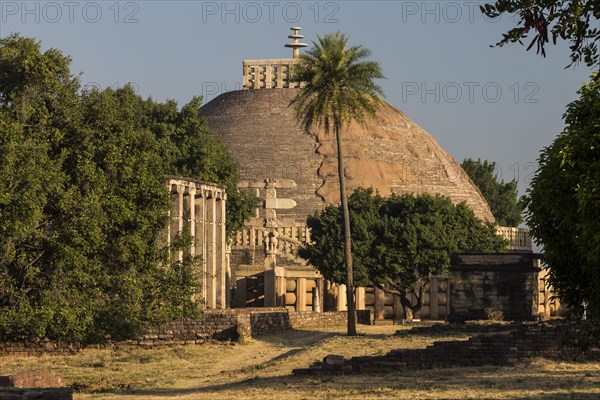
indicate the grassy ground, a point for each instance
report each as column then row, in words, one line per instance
column 262, row 368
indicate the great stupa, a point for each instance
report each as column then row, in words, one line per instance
column 295, row 174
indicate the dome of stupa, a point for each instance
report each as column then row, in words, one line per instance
column 391, row 154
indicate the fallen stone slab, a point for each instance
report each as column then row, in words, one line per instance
column 31, row 379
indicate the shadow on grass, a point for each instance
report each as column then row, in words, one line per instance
column 308, row 339
column 484, row 379
column 290, row 337
column 554, row 396
column 301, row 337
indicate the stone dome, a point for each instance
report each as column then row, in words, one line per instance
column 391, row 154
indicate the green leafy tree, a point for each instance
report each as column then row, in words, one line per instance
column 83, row 205
column 563, row 204
column 398, row 242
column 338, row 87
column 575, row 21
column 502, row 197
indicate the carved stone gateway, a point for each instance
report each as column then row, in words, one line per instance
column 268, row 271
column 198, row 208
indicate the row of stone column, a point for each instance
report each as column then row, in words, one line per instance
column 340, row 296
column 198, row 208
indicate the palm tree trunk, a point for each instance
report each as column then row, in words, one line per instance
column 347, row 237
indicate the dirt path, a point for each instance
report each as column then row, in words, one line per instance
column 266, row 350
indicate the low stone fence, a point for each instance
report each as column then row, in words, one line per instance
column 328, row 318
column 507, row 348
column 231, row 324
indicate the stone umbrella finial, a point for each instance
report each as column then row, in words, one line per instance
column 296, row 45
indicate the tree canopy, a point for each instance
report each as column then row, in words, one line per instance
column 502, row 197
column 563, row 204
column 575, row 21
column 83, row 205
column 398, row 242
column 338, row 87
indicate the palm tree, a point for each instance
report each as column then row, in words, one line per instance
column 337, row 88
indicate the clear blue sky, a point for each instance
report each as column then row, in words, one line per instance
column 500, row 104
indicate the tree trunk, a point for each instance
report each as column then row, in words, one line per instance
column 410, row 309
column 347, row 237
column 408, row 313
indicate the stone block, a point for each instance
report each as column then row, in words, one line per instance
column 31, row 379
column 333, row 360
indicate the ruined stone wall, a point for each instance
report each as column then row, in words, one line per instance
column 212, row 325
column 497, row 349
column 506, row 282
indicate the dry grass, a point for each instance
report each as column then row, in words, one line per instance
column 262, row 368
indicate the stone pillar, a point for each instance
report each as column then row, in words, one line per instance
column 270, row 290
column 211, row 256
column 301, row 294
column 180, row 212
column 172, row 213
column 379, row 304
column 200, row 239
column 271, row 243
column 316, row 299
column 176, row 218
column 230, row 285
column 360, row 298
column 189, row 216
column 220, row 267
column 322, row 293
column 342, row 304
column 433, row 299
column 268, row 77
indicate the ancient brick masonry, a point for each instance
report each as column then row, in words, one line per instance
column 37, row 348
column 523, row 342
column 391, row 153
column 231, row 324
column 247, row 322
column 506, row 282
